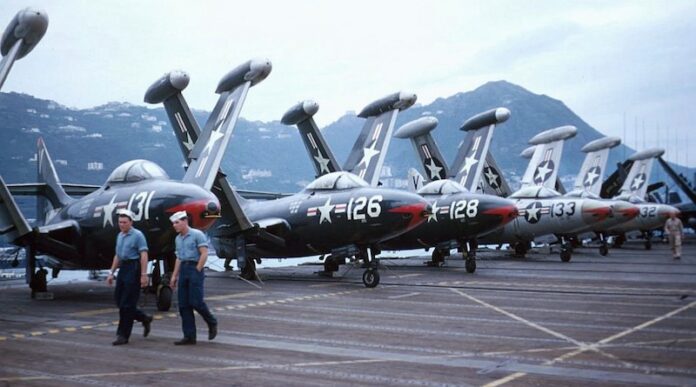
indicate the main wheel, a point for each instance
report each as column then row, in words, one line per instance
column 520, row 249
column 470, row 265
column 648, row 244
column 603, row 250
column 566, row 255
column 370, row 278
column 249, row 270
column 438, row 258
column 164, row 298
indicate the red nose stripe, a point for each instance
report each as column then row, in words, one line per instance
column 417, row 212
column 195, row 210
column 630, row 213
column 600, row 212
column 508, row 213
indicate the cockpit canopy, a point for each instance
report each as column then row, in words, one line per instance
column 136, row 170
column 335, row 181
column 631, row 198
column 582, row 193
column 534, row 192
column 441, row 187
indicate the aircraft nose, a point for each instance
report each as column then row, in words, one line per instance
column 202, row 208
column 664, row 211
column 416, row 211
column 505, row 211
column 626, row 210
column 594, row 210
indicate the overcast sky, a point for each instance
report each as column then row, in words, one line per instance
column 605, row 59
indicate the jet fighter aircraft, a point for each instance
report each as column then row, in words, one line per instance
column 337, row 214
column 542, row 210
column 460, row 215
column 81, row 233
column 633, row 190
column 588, row 184
column 20, row 37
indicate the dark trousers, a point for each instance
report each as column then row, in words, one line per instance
column 126, row 295
column 190, row 295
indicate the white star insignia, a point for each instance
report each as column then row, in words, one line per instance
column 468, row 163
column 326, row 211
column 434, row 169
column 322, row 161
column 591, row 177
column 368, row 154
column 433, row 213
column 533, row 213
column 108, row 210
column 543, row 171
column 492, row 178
column 637, row 182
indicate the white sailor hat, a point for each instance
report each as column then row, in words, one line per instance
column 177, row 216
column 125, row 212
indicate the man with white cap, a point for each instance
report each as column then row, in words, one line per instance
column 131, row 260
column 191, row 255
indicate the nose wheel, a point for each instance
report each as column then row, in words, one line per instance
column 370, row 276
column 566, row 251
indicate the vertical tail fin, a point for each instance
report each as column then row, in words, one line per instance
column 423, row 142
column 54, row 195
column 636, row 182
column 467, row 167
column 543, row 166
column 493, row 181
column 593, row 167
column 208, row 151
column 375, row 136
column 319, row 152
column 415, row 180
column 167, row 90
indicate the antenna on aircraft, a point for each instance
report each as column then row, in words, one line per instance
column 20, row 37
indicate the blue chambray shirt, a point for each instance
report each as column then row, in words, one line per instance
column 130, row 245
column 187, row 245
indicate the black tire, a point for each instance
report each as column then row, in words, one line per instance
column 438, row 258
column 648, row 244
column 370, row 278
column 520, row 249
column 249, row 270
column 164, row 298
column 566, row 255
column 603, row 250
column 470, row 265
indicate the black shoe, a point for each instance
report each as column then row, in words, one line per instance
column 185, row 341
column 146, row 325
column 212, row 331
column 120, row 341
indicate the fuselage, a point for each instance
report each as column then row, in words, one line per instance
column 320, row 221
column 95, row 224
column 543, row 216
column 650, row 216
column 456, row 217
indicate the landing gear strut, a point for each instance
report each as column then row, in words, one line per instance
column 648, row 239
column 370, row 276
column 604, row 246
column 36, row 278
column 566, row 250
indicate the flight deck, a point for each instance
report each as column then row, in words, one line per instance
column 628, row 318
